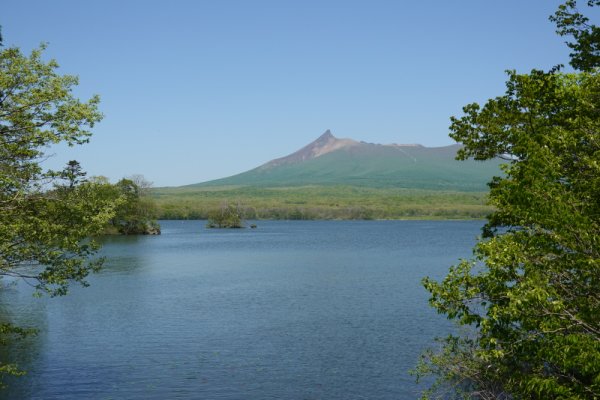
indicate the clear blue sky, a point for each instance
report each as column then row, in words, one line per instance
column 197, row 90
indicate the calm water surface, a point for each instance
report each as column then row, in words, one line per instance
column 291, row 310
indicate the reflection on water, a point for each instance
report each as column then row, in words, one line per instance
column 21, row 310
column 300, row 310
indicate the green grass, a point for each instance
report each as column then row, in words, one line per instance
column 321, row 202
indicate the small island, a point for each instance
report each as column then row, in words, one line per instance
column 228, row 216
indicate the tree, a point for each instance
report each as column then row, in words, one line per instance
column 44, row 233
column 137, row 213
column 529, row 301
column 531, row 293
column 73, row 173
column 586, row 45
column 227, row 216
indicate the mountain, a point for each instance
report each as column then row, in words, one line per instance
column 332, row 161
column 326, row 143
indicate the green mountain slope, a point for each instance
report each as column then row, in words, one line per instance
column 332, row 161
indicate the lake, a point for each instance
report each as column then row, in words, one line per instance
column 290, row 310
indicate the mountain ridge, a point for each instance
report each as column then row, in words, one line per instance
column 329, row 160
column 324, row 144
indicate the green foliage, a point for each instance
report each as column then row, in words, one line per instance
column 10, row 333
column 137, row 212
column 73, row 173
column 44, row 227
column 586, row 45
column 530, row 296
column 531, row 293
column 227, row 216
column 40, row 228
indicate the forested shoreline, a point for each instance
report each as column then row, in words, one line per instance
column 322, row 202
